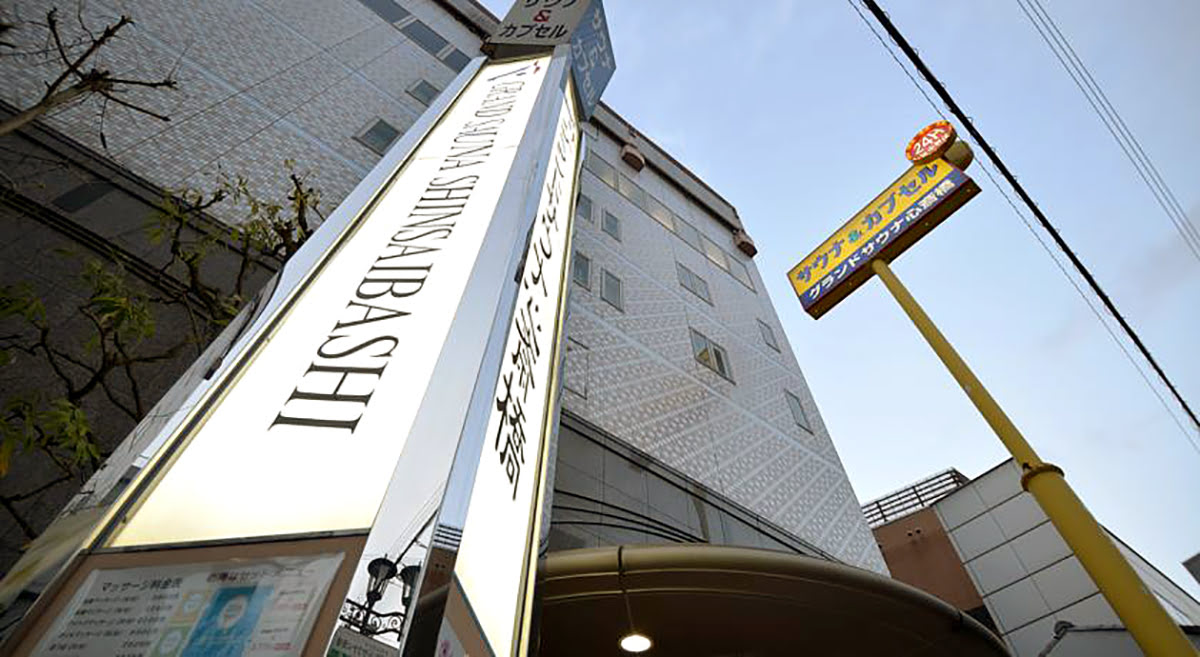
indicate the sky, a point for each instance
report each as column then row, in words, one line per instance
column 795, row 113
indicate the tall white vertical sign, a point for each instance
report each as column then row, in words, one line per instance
column 496, row 560
column 307, row 438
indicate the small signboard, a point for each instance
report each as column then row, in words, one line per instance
column 592, row 63
column 540, row 22
column 348, row 643
column 251, row 608
column 908, row 209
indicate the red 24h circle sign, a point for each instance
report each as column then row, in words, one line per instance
column 932, row 141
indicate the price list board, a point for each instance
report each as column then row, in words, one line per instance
column 251, row 608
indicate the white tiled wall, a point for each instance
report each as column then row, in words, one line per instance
column 262, row 81
column 1028, row 577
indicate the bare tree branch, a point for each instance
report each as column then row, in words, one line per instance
column 59, row 93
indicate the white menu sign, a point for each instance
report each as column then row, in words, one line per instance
column 251, row 608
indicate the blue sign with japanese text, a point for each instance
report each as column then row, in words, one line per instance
column 592, row 62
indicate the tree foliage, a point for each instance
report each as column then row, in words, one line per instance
column 105, row 369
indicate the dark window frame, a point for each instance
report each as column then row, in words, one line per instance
column 616, row 222
column 580, row 202
column 375, row 146
column 711, row 355
column 416, row 91
column 619, row 303
column 797, row 408
column 690, row 280
column 582, row 259
column 768, row 336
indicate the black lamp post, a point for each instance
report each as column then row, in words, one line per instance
column 364, row 617
column 408, row 576
column 381, row 570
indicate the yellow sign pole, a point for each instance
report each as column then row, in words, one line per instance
column 1138, row 609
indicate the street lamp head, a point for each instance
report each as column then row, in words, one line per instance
column 381, row 569
column 408, row 577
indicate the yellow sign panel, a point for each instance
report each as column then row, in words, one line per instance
column 916, row 202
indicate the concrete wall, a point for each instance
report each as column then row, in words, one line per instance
column 919, row 552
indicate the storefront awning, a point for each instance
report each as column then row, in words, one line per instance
column 697, row 600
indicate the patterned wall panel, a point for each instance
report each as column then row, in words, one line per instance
column 262, row 81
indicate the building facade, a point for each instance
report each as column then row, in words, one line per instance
column 986, row 543
column 674, row 347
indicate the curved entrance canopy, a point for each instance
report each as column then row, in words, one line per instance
column 699, row 600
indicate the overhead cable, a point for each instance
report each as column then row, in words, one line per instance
column 1012, row 181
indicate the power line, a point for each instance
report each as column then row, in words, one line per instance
column 978, row 138
column 1042, row 242
column 1190, row 228
column 1112, row 120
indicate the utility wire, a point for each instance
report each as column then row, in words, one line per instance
column 1116, row 126
column 978, row 138
column 1042, row 242
column 1190, row 228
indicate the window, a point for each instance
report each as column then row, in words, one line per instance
column 424, row 36
column 611, row 225
column 633, row 192
column 583, row 208
column 659, row 212
column 424, row 92
column 740, row 272
column 768, row 335
column 715, row 253
column 387, row 10
column 378, row 136
column 581, row 270
column 456, row 60
column 603, row 170
column 797, row 411
column 693, row 283
column 610, row 290
column 689, row 234
column 81, row 196
column 710, row 354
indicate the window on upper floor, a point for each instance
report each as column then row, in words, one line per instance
column 581, row 270
column 378, row 136
column 692, row 282
column 741, row 273
column 456, row 59
column 388, row 10
column 611, row 225
column 716, row 254
column 603, row 170
column 610, row 290
column 689, row 234
column 660, row 212
column 583, row 208
column 768, row 335
column 710, row 354
column 424, row 92
column 425, row 37
column 797, row 410
column 633, row 192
